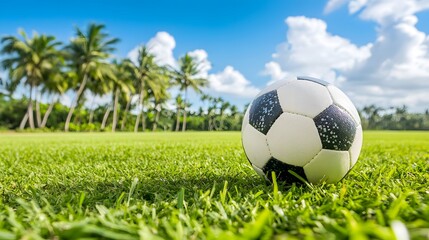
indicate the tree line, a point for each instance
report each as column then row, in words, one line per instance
column 393, row 118
column 49, row 68
column 140, row 90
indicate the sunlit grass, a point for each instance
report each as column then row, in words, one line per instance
column 200, row 185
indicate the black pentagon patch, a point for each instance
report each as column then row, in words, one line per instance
column 336, row 128
column 282, row 171
column 264, row 111
column 311, row 79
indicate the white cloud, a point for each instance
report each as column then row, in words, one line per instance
column 386, row 11
column 333, row 5
column 232, row 82
column 274, row 70
column 201, row 57
column 392, row 70
column 93, row 101
column 133, row 54
column 399, row 57
column 161, row 46
column 65, row 98
column 229, row 81
column 309, row 51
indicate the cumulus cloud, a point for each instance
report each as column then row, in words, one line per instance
column 201, row 57
column 380, row 11
column 274, row 70
column 232, row 82
column 399, row 57
column 391, row 70
column 161, row 46
column 311, row 50
column 333, row 5
column 97, row 100
column 386, row 11
column 229, row 81
column 66, row 99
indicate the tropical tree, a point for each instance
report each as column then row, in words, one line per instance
column 179, row 106
column 372, row 114
column 160, row 97
column 211, row 112
column 122, row 85
column 30, row 59
column 234, row 111
column 127, row 107
column 224, row 105
column 55, row 85
column 187, row 76
column 147, row 76
column 96, row 89
column 88, row 53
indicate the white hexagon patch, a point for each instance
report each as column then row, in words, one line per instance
column 255, row 146
column 304, row 97
column 328, row 166
column 293, row 139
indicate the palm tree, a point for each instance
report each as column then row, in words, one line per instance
column 224, row 105
column 160, row 97
column 372, row 113
column 54, row 85
column 127, row 107
column 30, row 59
column 88, row 53
column 234, row 111
column 97, row 89
column 147, row 75
column 215, row 106
column 122, row 84
column 211, row 112
column 187, row 77
column 179, row 107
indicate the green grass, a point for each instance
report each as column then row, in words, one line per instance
column 200, row 186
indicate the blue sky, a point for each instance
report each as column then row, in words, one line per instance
column 245, row 34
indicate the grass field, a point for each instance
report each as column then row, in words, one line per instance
column 200, row 186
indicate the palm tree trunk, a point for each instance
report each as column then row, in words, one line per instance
column 29, row 111
column 184, row 110
column 38, row 114
column 142, row 104
column 143, row 120
column 136, row 127
column 155, row 123
column 74, row 103
column 24, row 121
column 124, row 119
column 184, row 120
column 106, row 116
column 177, row 119
column 91, row 112
column 91, row 116
column 47, row 113
column 221, row 120
column 115, row 110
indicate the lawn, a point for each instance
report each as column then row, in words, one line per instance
column 200, row 186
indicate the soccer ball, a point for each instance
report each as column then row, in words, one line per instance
column 302, row 127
